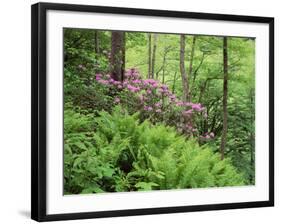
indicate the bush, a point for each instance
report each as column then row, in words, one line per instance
column 115, row 152
column 155, row 102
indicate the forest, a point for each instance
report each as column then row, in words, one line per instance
column 157, row 111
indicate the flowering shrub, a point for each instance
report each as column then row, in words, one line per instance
column 155, row 102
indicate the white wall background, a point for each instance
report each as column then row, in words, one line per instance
column 15, row 110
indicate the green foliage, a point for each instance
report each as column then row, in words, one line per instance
column 82, row 59
column 108, row 150
column 114, row 152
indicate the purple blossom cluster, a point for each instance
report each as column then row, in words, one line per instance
column 207, row 136
column 156, row 101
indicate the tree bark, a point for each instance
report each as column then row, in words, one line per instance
column 174, row 82
column 149, row 56
column 225, row 93
column 117, row 59
column 153, row 55
column 163, row 71
column 191, row 63
column 166, row 51
column 185, row 87
column 197, row 69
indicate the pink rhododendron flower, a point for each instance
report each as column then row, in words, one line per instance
column 132, row 88
column 104, row 82
column 116, row 82
column 159, row 104
column 117, row 100
column 136, row 81
column 148, row 108
column 98, row 76
column 188, row 104
column 187, row 112
column 197, row 107
column 151, row 82
column 132, row 73
column 180, row 103
column 172, row 97
column 188, row 126
column 153, row 96
column 154, row 85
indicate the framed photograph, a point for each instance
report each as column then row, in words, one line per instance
column 140, row 111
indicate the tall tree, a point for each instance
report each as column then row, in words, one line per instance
column 153, row 55
column 117, row 61
column 166, row 51
column 185, row 86
column 225, row 93
column 174, row 82
column 191, row 63
column 149, row 56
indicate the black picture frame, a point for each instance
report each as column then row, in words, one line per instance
column 38, row 108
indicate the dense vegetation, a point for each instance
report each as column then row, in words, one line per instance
column 157, row 111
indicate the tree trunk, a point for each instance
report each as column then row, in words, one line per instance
column 117, row 55
column 191, row 62
column 166, row 51
column 225, row 93
column 153, row 55
column 149, row 56
column 163, row 71
column 185, row 96
column 174, row 82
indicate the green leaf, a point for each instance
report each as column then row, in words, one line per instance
column 92, row 189
column 145, row 186
column 80, row 145
column 108, row 172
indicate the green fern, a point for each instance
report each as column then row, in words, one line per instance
column 115, row 152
